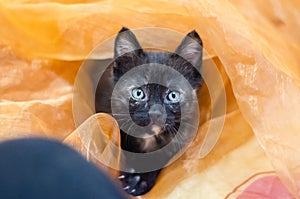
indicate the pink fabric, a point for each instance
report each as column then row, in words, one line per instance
column 268, row 187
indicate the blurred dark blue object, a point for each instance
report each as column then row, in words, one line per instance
column 46, row 169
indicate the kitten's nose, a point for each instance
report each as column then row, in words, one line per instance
column 156, row 112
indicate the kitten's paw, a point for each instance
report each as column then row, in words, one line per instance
column 137, row 183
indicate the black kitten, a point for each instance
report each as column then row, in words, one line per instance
column 151, row 103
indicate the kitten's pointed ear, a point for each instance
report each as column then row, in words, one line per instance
column 128, row 53
column 126, row 42
column 191, row 49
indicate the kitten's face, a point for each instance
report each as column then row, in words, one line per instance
column 155, row 106
column 155, row 87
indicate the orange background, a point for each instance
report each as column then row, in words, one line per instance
column 255, row 45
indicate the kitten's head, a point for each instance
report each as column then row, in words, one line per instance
column 156, row 85
column 187, row 58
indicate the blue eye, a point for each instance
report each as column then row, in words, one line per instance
column 173, row 97
column 137, row 94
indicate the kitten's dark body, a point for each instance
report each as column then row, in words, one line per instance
column 155, row 111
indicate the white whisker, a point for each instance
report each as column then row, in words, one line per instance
column 121, row 177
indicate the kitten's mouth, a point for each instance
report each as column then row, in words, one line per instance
column 156, row 129
column 153, row 130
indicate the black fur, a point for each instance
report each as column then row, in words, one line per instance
column 187, row 60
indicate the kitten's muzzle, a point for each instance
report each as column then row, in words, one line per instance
column 157, row 114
